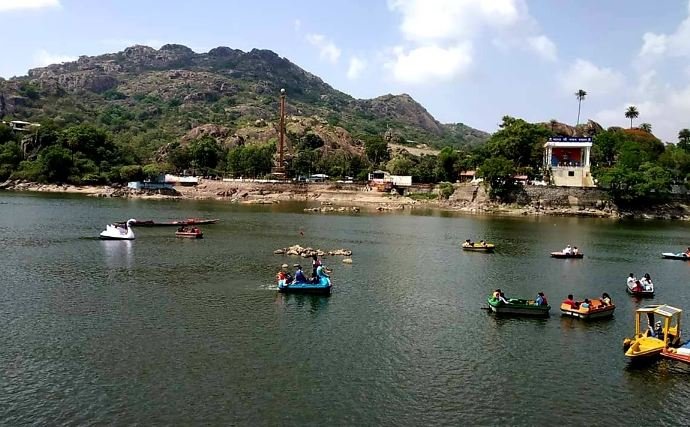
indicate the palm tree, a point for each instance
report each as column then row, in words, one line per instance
column 684, row 139
column 647, row 127
column 684, row 136
column 580, row 95
column 632, row 113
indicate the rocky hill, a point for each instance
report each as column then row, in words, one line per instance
column 147, row 94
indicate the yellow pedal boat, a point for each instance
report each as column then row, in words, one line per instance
column 662, row 331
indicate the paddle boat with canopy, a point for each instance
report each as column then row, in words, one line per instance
column 517, row 307
column 663, row 331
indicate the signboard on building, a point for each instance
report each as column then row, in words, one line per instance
column 569, row 139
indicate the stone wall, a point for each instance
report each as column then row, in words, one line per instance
column 565, row 197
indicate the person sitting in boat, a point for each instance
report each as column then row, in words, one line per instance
column 646, row 282
column 468, row 242
column 315, row 264
column 502, row 298
column 180, row 230
column 575, row 250
column 687, row 252
column 496, row 294
column 321, row 272
column 606, row 299
column 568, row 250
column 631, row 281
column 656, row 331
column 482, row 243
column 571, row 302
column 586, row 304
column 541, row 299
column 299, row 275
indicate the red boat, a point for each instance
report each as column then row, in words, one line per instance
column 189, row 233
column 183, row 222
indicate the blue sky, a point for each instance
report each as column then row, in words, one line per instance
column 469, row 61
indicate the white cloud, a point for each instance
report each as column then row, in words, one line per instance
column 297, row 25
column 666, row 108
column 432, row 28
column 43, row 58
column 327, row 49
column 430, row 64
column 543, row 46
column 6, row 5
column 437, row 20
column 595, row 80
column 672, row 44
column 653, row 44
column 357, row 65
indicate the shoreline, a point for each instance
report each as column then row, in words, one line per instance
column 351, row 198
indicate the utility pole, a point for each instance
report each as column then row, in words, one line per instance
column 281, row 167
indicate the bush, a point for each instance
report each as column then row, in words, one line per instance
column 131, row 173
column 446, row 190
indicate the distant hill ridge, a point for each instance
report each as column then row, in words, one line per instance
column 173, row 90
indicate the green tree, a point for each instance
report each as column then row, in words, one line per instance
column 377, row 150
column 684, row 139
column 6, row 134
column 519, row 141
column 580, row 95
column 447, row 160
column 400, row 165
column 425, row 170
column 648, row 183
column 632, row 113
column 251, row 160
column 605, row 147
column 204, row 154
column 131, row 173
column 179, row 156
column 56, row 163
column 10, row 157
column 498, row 173
column 676, row 161
column 647, row 127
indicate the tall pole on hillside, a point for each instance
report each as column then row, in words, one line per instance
column 282, row 131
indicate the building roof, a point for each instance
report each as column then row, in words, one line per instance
column 569, row 141
column 468, row 173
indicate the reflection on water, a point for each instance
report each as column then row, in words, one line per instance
column 169, row 331
column 118, row 253
column 314, row 302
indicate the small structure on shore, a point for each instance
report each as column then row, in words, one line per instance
column 384, row 181
column 567, row 160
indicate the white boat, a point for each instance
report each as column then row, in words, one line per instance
column 118, row 232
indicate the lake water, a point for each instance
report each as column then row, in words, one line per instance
column 170, row 331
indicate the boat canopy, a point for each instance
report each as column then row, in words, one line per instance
column 661, row 310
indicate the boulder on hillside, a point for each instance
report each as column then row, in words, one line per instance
column 217, row 132
column 589, row 129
